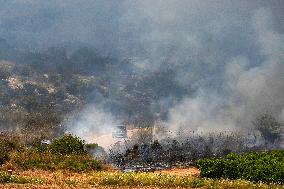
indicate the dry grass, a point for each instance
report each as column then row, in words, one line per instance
column 29, row 186
column 67, row 179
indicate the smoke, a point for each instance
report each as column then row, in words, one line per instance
column 226, row 56
column 250, row 90
column 91, row 123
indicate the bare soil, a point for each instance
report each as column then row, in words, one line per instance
column 192, row 171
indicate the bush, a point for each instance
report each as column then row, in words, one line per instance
column 8, row 143
column 255, row 166
column 33, row 159
column 92, row 146
column 65, row 153
column 68, row 144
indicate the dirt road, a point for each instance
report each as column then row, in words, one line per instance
column 192, row 171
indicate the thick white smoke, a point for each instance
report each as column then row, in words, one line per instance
column 251, row 90
column 91, row 123
column 229, row 53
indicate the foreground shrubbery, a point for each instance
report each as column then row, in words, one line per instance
column 125, row 180
column 67, row 144
column 254, row 166
column 32, row 159
column 65, row 153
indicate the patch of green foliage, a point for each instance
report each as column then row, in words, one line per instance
column 64, row 153
column 67, row 144
column 91, row 146
column 255, row 166
column 33, row 159
column 8, row 178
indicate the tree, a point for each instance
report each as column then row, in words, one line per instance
column 68, row 144
column 269, row 128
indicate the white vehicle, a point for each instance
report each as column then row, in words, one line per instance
column 119, row 131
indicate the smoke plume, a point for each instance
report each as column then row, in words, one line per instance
column 91, row 123
column 225, row 57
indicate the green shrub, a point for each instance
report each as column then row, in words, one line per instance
column 91, row 146
column 67, row 144
column 254, row 166
column 33, row 159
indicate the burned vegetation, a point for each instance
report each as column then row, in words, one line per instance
column 159, row 148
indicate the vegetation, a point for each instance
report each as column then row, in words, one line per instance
column 64, row 163
column 126, row 180
column 8, row 178
column 31, row 159
column 67, row 145
column 65, row 153
column 254, row 166
column 8, row 144
column 144, row 149
column 57, row 83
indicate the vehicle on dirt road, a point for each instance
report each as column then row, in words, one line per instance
column 119, row 131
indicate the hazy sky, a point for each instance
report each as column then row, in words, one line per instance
column 127, row 25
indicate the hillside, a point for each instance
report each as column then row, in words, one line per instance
column 41, row 89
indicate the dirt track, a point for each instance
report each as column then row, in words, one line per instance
column 181, row 171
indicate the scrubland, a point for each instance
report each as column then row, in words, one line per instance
column 67, row 163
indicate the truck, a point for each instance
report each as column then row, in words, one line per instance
column 119, row 131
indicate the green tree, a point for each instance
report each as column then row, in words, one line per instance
column 68, row 144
